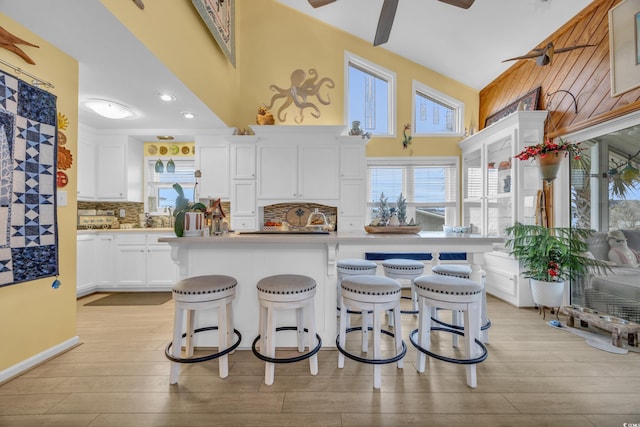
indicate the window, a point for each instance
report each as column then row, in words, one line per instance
column 369, row 96
column 430, row 186
column 435, row 113
column 160, row 194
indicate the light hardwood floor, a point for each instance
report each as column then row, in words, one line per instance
column 535, row 375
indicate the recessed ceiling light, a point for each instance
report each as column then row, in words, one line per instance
column 109, row 109
column 189, row 115
column 165, row 137
column 166, row 97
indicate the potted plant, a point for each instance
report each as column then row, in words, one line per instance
column 189, row 216
column 550, row 154
column 549, row 256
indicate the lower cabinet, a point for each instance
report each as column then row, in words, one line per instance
column 504, row 280
column 124, row 262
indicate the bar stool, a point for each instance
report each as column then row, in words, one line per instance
column 202, row 293
column 464, row 272
column 450, row 293
column 377, row 294
column 405, row 269
column 285, row 292
column 354, row 267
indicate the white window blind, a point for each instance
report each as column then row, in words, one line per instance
column 430, row 186
column 159, row 185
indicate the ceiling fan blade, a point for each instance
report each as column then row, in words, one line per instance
column 387, row 14
column 320, row 3
column 465, row 4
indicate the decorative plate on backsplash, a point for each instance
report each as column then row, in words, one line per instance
column 297, row 216
column 152, row 149
column 163, row 150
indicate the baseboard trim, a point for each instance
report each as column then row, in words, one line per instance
column 39, row 358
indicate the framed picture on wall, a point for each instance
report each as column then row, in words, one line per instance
column 219, row 15
column 528, row 102
column 624, row 46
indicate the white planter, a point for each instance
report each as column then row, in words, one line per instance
column 547, row 294
column 193, row 224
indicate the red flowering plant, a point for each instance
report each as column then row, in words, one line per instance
column 549, row 147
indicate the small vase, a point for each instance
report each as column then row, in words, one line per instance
column 549, row 166
column 193, row 224
column 547, row 294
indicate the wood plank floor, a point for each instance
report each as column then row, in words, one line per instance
column 535, row 375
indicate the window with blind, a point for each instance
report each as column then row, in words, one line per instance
column 160, row 195
column 369, row 96
column 430, row 186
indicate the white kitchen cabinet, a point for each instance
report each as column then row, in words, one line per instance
column 298, row 171
column 243, row 157
column 141, row 263
column 111, row 169
column 212, row 160
column 353, row 188
column 86, row 272
column 104, row 260
column 243, row 208
column 86, row 170
column 498, row 190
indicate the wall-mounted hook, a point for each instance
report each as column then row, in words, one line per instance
column 575, row 103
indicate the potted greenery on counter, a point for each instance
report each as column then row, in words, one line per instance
column 189, row 216
column 549, row 256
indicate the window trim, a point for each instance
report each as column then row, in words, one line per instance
column 421, row 161
column 381, row 72
column 457, row 105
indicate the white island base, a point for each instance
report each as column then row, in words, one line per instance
column 250, row 258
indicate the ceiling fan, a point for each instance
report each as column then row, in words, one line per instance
column 388, row 13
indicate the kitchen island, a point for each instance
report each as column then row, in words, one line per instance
column 250, row 257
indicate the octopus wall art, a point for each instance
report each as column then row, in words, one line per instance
column 301, row 94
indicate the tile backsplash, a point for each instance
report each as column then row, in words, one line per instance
column 132, row 210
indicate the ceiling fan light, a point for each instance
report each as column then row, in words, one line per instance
column 109, row 109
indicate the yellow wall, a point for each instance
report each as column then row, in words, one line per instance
column 273, row 40
column 33, row 315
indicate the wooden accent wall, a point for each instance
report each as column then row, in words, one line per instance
column 583, row 72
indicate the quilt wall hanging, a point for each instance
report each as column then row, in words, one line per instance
column 28, row 223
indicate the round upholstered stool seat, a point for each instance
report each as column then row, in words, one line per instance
column 456, row 294
column 407, row 269
column 285, row 292
column 196, row 294
column 375, row 294
column 464, row 271
column 353, row 267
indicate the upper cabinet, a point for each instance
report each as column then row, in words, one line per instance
column 298, row 163
column 497, row 190
column 109, row 167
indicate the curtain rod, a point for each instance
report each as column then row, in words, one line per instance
column 36, row 80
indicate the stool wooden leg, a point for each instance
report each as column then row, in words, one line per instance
column 342, row 332
column 191, row 324
column 262, row 329
column 398, row 334
column 230, row 333
column 365, row 320
column 455, row 321
column 223, row 361
column 300, row 328
column 414, row 296
column 313, row 341
column 176, row 345
column 424, row 328
column 270, row 332
column 484, row 316
column 377, row 376
column 471, row 321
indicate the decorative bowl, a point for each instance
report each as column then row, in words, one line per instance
column 456, row 229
